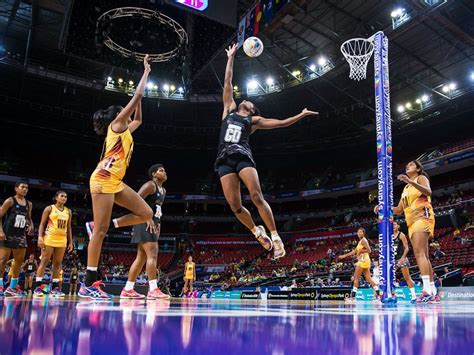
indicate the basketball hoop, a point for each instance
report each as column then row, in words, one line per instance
column 357, row 52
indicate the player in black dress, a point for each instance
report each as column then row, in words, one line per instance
column 29, row 267
column 401, row 257
column 17, row 224
column 235, row 163
column 146, row 236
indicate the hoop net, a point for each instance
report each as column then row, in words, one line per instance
column 357, row 52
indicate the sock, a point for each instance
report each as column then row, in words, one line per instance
column 354, row 291
column 114, row 223
column 91, row 275
column 129, row 285
column 13, row 282
column 153, row 284
column 254, row 230
column 274, row 235
column 426, row 283
column 412, row 292
column 376, row 288
column 1, row 282
column 434, row 290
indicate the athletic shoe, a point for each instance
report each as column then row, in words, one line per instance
column 278, row 248
column 40, row 291
column 20, row 292
column 424, row 297
column 89, row 229
column 14, row 292
column 2, row 291
column 435, row 300
column 131, row 294
column 57, row 293
column 263, row 238
column 350, row 300
column 94, row 292
column 156, row 294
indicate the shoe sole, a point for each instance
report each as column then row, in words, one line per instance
column 158, row 298
column 279, row 256
column 89, row 231
column 131, row 298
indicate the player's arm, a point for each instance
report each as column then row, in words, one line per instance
column 194, row 271
column 42, row 226
column 423, row 184
column 70, row 245
column 343, row 256
column 7, row 204
column 31, row 226
column 137, row 118
column 228, row 95
column 120, row 123
column 147, row 189
column 397, row 210
column 259, row 122
column 366, row 246
column 406, row 248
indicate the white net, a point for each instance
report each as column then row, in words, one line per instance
column 357, row 52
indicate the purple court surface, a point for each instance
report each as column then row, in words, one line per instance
column 70, row 326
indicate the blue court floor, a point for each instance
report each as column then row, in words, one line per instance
column 70, row 326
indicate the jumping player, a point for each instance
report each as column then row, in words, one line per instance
column 17, row 224
column 29, row 267
column 235, row 162
column 54, row 236
column 419, row 215
column 146, row 236
column 362, row 267
column 401, row 252
column 106, row 183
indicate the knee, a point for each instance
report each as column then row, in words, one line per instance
column 257, row 198
column 100, row 231
column 236, row 207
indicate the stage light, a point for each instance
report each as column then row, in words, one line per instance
column 130, row 83
column 166, row 87
column 472, row 75
column 312, row 67
column 252, row 84
column 149, row 85
column 155, row 87
column 425, row 98
column 400, row 109
column 109, row 78
column 445, row 89
column 397, row 12
column 120, row 80
column 418, row 101
column 270, row 81
column 180, row 90
column 296, row 73
column 173, row 88
column 322, row 61
column 236, row 88
column 408, row 105
column 452, row 86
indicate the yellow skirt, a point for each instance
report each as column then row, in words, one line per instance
column 100, row 185
column 189, row 277
column 55, row 241
column 424, row 225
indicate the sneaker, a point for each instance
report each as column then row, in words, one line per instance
column 94, row 292
column 57, row 293
column 350, row 300
column 278, row 248
column 40, row 291
column 156, row 294
column 424, row 297
column 89, row 229
column 263, row 238
column 131, row 294
column 20, row 292
column 435, row 300
column 14, row 292
column 2, row 291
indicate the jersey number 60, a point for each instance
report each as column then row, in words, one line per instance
column 233, row 133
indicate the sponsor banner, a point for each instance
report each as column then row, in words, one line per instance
column 456, row 294
column 308, row 237
column 333, row 294
column 367, row 183
column 307, row 193
column 304, row 294
column 278, row 295
column 287, row 194
column 231, row 295
column 250, row 296
column 460, row 157
column 402, row 293
column 343, row 188
column 226, row 241
column 72, row 187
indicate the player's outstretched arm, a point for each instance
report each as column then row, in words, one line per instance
column 259, row 122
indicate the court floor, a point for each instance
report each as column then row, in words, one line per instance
column 72, row 326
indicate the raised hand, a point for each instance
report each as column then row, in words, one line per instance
column 232, row 50
column 146, row 63
column 307, row 112
column 404, row 179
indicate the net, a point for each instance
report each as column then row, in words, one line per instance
column 357, row 52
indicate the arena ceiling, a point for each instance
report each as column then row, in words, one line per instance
column 434, row 48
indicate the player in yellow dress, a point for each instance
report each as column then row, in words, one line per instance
column 362, row 267
column 415, row 204
column 54, row 236
column 189, row 275
column 106, row 185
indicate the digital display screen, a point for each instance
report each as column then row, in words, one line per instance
column 224, row 11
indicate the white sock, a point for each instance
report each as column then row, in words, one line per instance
column 275, row 235
column 376, row 288
column 354, row 289
column 115, row 223
column 426, row 283
column 153, row 285
column 92, row 268
column 39, row 279
column 434, row 290
column 55, row 280
column 255, row 231
column 129, row 285
column 413, row 293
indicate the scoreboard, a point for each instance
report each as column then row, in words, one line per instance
column 224, row 11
